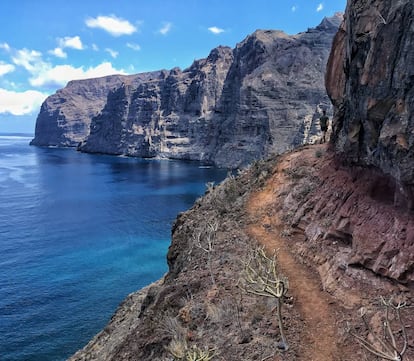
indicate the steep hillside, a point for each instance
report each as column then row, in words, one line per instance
column 237, row 105
column 296, row 204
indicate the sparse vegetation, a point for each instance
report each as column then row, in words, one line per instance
column 286, row 232
column 295, row 173
column 261, row 277
column 206, row 243
column 179, row 347
column 172, row 328
column 181, row 352
column 318, row 153
column 391, row 342
column 223, row 198
column 302, row 190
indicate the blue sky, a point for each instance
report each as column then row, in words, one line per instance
column 46, row 43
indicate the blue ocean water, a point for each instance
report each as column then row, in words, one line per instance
column 78, row 233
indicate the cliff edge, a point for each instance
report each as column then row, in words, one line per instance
column 303, row 204
column 237, row 105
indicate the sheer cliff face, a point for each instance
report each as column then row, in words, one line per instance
column 65, row 116
column 228, row 109
column 373, row 63
column 274, row 93
column 169, row 116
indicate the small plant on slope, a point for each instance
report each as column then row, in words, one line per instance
column 385, row 346
column 181, row 352
column 260, row 277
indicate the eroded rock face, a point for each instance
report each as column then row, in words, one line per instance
column 235, row 106
column 348, row 219
column 171, row 116
column 372, row 61
column 65, row 116
column 273, row 95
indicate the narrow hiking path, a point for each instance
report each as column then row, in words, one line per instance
column 319, row 342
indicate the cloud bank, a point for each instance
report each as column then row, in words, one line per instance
column 60, row 75
column 46, row 75
column 20, row 103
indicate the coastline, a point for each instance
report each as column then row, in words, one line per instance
column 125, row 318
column 198, row 304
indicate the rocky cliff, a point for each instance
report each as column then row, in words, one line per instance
column 65, row 116
column 235, row 106
column 370, row 79
column 342, row 237
column 169, row 116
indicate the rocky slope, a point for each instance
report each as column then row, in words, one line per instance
column 370, row 79
column 339, row 217
column 235, row 106
column 302, row 204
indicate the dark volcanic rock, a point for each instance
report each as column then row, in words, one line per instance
column 170, row 116
column 65, row 116
column 370, row 79
column 235, row 106
column 273, row 93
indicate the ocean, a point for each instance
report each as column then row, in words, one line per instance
column 78, row 233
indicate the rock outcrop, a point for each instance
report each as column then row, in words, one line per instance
column 370, row 79
column 235, row 106
column 65, row 116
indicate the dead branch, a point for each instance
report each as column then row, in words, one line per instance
column 385, row 347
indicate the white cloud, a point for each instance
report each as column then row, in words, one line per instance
column 71, row 42
column 112, row 24
column 6, row 68
column 20, row 103
column 59, row 75
column 133, row 46
column 44, row 74
column 320, row 7
column 95, row 47
column 166, row 27
column 66, row 42
column 5, row 46
column 112, row 52
column 215, row 30
column 58, row 52
column 31, row 60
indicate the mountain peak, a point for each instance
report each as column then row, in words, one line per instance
column 331, row 22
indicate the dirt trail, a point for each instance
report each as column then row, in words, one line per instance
column 319, row 323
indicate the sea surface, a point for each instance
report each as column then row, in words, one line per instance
column 78, row 233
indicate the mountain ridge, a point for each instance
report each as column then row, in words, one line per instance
column 235, row 106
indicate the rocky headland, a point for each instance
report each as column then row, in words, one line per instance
column 339, row 216
column 262, row 97
column 65, row 117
